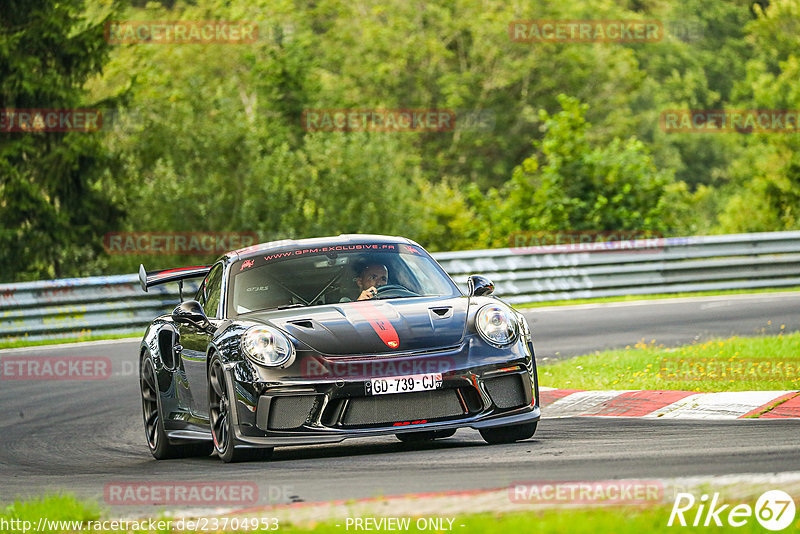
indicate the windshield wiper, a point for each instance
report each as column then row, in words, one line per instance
column 287, row 306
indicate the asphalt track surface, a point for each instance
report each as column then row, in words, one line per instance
column 78, row 436
column 574, row 330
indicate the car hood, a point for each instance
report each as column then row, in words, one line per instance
column 375, row 326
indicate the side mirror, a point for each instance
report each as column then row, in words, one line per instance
column 190, row 312
column 479, row 286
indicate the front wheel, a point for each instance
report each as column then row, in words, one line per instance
column 508, row 434
column 220, row 409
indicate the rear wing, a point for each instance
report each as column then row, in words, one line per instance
column 153, row 278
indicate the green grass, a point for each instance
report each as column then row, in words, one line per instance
column 51, row 507
column 735, row 364
column 631, row 298
column 25, row 343
column 599, row 520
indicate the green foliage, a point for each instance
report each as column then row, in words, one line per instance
column 767, row 170
column 447, row 218
column 581, row 186
column 209, row 136
column 53, row 200
column 214, row 152
column 736, row 364
column 53, row 508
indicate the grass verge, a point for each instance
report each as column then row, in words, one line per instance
column 51, row 507
column 24, row 343
column 599, row 520
column 659, row 296
column 735, row 364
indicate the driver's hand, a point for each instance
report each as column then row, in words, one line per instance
column 368, row 293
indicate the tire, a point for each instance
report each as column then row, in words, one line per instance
column 154, row 432
column 424, row 435
column 508, row 434
column 220, row 418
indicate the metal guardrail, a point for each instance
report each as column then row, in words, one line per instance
column 53, row 309
column 116, row 304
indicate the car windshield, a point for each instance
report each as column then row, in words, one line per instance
column 335, row 274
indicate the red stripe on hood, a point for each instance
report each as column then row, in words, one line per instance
column 379, row 322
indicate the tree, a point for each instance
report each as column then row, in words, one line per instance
column 767, row 170
column 571, row 183
column 214, row 141
column 54, row 186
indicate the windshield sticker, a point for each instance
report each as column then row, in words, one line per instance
column 257, row 288
column 411, row 250
column 382, row 247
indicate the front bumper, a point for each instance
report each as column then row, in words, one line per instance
column 482, row 387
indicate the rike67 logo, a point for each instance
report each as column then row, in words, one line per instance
column 774, row 510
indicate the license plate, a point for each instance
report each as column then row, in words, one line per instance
column 404, row 384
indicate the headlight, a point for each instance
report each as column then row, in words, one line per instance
column 496, row 324
column 267, row 346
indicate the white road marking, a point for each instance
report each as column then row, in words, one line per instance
column 674, row 300
column 68, row 345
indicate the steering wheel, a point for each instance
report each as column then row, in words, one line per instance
column 394, row 290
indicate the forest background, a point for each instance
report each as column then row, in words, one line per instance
column 549, row 136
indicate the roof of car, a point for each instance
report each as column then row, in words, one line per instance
column 294, row 244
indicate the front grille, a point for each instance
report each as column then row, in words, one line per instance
column 507, row 391
column 290, row 412
column 392, row 408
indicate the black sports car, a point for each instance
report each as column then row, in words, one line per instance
column 319, row 340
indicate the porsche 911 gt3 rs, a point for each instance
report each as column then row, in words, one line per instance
column 284, row 345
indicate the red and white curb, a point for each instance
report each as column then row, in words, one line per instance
column 556, row 403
